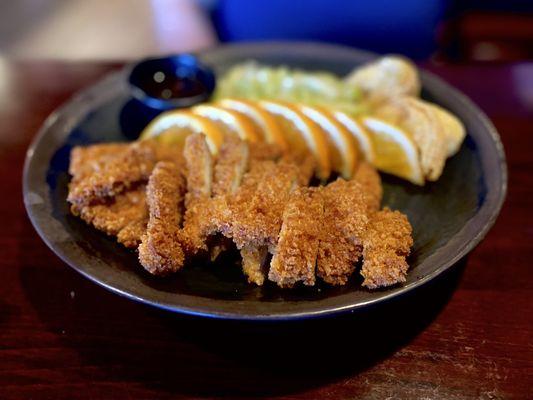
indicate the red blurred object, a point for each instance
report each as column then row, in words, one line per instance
column 488, row 37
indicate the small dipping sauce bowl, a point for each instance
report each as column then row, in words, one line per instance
column 171, row 82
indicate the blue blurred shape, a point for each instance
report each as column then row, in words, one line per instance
column 406, row 26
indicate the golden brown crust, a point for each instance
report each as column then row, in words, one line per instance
column 386, row 242
column 90, row 159
column 368, row 177
column 117, row 213
column 160, row 252
column 261, row 151
column 199, row 186
column 123, row 172
column 199, row 168
column 253, row 261
column 295, row 254
column 230, row 166
column 254, row 213
column 345, row 220
column 132, row 233
column 311, row 231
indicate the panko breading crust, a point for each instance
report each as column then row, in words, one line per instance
column 255, row 196
column 295, row 253
column 345, row 220
column 387, row 242
column 121, row 173
column 160, row 251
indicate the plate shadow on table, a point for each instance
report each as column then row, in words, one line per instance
column 129, row 342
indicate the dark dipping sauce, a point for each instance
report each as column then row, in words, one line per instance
column 171, row 82
column 163, row 86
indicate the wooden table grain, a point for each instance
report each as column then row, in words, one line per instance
column 466, row 336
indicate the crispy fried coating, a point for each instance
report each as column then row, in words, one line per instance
column 253, row 263
column 386, row 243
column 107, row 188
column 114, row 216
column 253, row 215
column 345, row 220
column 230, row 166
column 199, row 187
column 160, row 251
column 370, row 182
column 295, row 254
column 262, row 151
column 255, row 196
column 132, row 233
column 199, row 168
column 306, row 166
column 90, row 159
column 129, row 168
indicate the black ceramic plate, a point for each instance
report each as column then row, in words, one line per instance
column 449, row 217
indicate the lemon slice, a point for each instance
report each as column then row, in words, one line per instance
column 359, row 133
column 229, row 121
column 263, row 121
column 343, row 150
column 423, row 126
column 302, row 135
column 174, row 126
column 396, row 153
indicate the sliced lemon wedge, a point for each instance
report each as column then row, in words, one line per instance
column 229, row 121
column 263, row 121
column 174, row 126
column 396, row 152
column 359, row 133
column 302, row 135
column 342, row 148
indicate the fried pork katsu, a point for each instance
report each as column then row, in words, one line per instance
column 172, row 203
column 119, row 173
column 386, row 243
column 295, row 253
column 367, row 176
column 160, row 251
column 345, row 220
column 118, row 216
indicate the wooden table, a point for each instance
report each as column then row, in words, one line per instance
column 468, row 335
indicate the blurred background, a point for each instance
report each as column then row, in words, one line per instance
column 450, row 31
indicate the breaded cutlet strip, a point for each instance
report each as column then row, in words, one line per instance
column 256, row 209
column 160, row 251
column 254, row 257
column 86, row 160
column 130, row 167
column 370, row 181
column 386, row 243
column 90, row 159
column 197, row 200
column 230, row 166
column 199, row 168
column 116, row 215
column 295, row 254
column 345, row 220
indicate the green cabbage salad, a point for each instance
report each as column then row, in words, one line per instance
column 251, row 80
